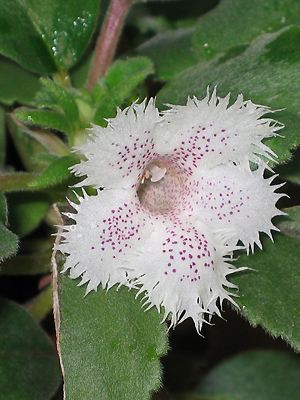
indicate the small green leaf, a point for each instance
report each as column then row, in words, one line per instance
column 28, row 364
column 118, row 85
column 41, row 305
column 56, row 173
column 290, row 224
column 26, row 212
column 110, row 347
column 259, row 375
column 55, row 96
column 32, row 145
column 44, row 118
column 236, row 22
column 45, row 36
column 260, row 76
column 269, row 296
column 2, row 137
column 8, row 243
column 16, row 181
column 3, row 209
column 16, row 84
column 27, row 264
column 171, row 52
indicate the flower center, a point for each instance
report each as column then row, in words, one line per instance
column 161, row 188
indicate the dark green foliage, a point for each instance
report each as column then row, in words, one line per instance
column 28, row 365
column 259, row 375
column 110, row 332
column 258, row 76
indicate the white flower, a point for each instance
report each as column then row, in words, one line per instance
column 178, row 196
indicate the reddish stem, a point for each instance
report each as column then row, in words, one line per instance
column 107, row 41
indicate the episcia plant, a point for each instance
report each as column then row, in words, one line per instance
column 147, row 147
column 178, row 195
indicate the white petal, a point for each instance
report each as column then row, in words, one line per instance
column 237, row 200
column 116, row 156
column 99, row 244
column 182, row 269
column 208, row 132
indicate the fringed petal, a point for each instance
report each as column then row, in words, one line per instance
column 183, row 270
column 209, row 132
column 107, row 227
column 116, row 156
column 237, row 200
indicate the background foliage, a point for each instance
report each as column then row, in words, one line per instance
column 108, row 347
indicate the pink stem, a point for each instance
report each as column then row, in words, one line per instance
column 108, row 39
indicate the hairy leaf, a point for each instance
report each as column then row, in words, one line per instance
column 28, row 363
column 56, row 173
column 8, row 243
column 259, row 375
column 118, row 85
column 110, row 347
column 44, row 118
column 267, row 73
column 2, row 137
column 236, row 22
column 171, row 52
column 269, row 296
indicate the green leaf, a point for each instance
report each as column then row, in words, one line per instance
column 55, row 96
column 291, row 170
column 16, row 84
column 41, row 305
column 236, row 22
column 8, row 243
column 45, row 36
column 259, row 375
column 267, row 73
column 110, row 347
column 33, row 145
column 27, row 264
column 56, row 173
column 2, row 137
column 118, row 85
column 44, row 118
column 269, row 296
column 34, row 259
column 171, row 52
column 3, row 209
column 26, row 212
column 28, row 363
column 290, row 224
column 16, row 181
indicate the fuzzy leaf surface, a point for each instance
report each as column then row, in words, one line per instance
column 267, row 73
column 118, row 85
column 2, row 137
column 171, row 52
column 28, row 364
column 8, row 243
column 56, row 173
column 237, row 22
column 259, row 375
column 44, row 118
column 270, row 296
column 110, row 347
